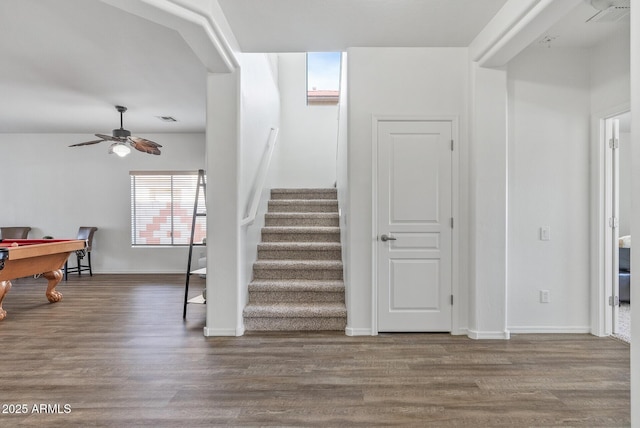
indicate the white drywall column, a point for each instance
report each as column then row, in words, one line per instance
column 223, row 211
column 635, row 222
column 488, row 204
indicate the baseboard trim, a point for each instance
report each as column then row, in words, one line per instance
column 489, row 335
column 212, row 332
column 350, row 331
column 550, row 329
column 132, row 272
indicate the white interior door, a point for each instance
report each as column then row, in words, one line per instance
column 414, row 225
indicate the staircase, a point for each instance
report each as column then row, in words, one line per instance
column 297, row 279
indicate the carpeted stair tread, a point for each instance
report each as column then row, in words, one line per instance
column 298, row 278
column 303, row 193
column 298, row 264
column 301, row 229
column 302, row 215
column 298, row 269
column 300, row 234
column 317, row 202
column 299, row 251
column 299, row 246
column 295, row 324
column 302, row 219
column 295, row 310
column 296, row 285
column 303, row 205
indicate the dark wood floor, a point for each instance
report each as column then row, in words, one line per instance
column 116, row 352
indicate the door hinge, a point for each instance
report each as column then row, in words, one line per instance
column 451, row 145
column 451, row 222
column 613, row 222
column 614, row 301
column 613, row 143
column 452, row 300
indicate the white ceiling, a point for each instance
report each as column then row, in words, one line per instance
column 64, row 64
column 335, row 25
column 574, row 31
column 67, row 63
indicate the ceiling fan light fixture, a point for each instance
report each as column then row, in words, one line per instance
column 119, row 149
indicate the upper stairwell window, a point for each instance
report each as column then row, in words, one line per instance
column 323, row 78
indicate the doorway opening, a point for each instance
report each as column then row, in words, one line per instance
column 617, row 204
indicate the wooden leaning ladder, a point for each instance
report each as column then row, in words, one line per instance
column 200, row 187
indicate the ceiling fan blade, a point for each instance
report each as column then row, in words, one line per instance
column 122, row 136
column 87, row 143
column 109, row 137
column 144, row 145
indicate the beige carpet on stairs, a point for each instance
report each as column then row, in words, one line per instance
column 297, row 279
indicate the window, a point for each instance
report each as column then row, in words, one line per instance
column 323, row 78
column 162, row 208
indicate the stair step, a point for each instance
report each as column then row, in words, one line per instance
column 300, row 234
column 299, row 251
column 296, row 310
column 295, row 324
column 302, row 205
column 302, row 219
column 297, row 285
column 296, row 291
column 304, row 194
column 297, row 279
column 295, row 316
column 297, row 269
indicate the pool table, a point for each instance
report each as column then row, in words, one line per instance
column 25, row 257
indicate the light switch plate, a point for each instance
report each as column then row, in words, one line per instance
column 545, row 296
column 545, row 233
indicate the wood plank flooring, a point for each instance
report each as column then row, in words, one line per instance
column 117, row 353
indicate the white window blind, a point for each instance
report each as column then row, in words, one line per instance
column 162, row 208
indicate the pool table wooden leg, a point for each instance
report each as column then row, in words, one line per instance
column 54, row 278
column 5, row 286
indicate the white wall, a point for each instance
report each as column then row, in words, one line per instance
column 388, row 81
column 55, row 189
column 487, row 236
column 610, row 96
column 549, row 96
column 609, row 68
column 224, row 236
column 260, row 112
column 306, row 151
column 242, row 107
column 342, row 178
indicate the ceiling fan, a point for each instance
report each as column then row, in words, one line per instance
column 121, row 137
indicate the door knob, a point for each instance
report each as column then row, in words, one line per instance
column 385, row 238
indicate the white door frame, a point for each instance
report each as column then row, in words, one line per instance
column 455, row 210
column 601, row 283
